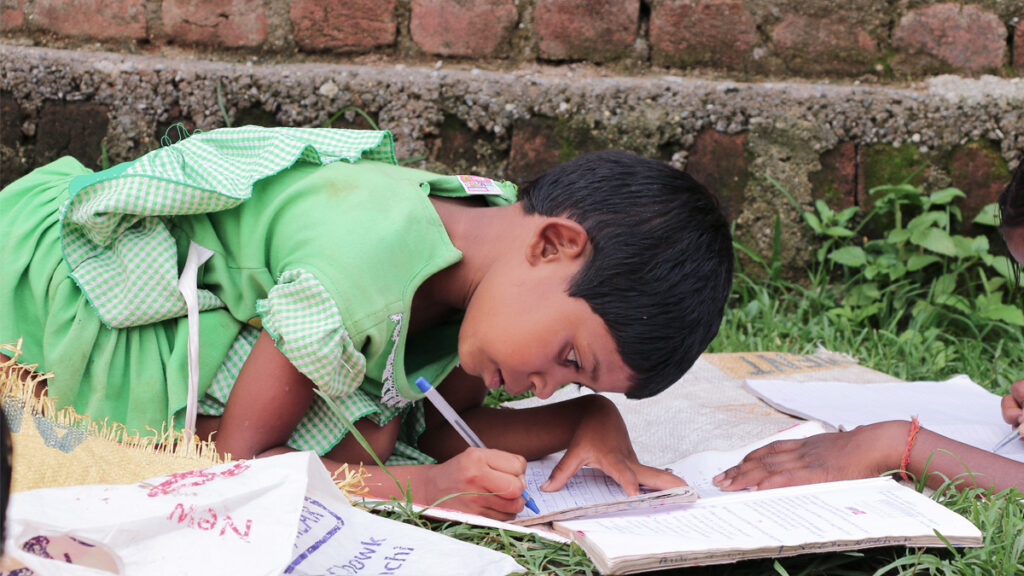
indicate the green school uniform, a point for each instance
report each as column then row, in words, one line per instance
column 315, row 233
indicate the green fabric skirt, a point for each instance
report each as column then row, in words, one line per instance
column 136, row 376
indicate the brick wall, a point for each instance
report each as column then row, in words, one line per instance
column 812, row 93
column 872, row 38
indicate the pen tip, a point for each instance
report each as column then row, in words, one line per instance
column 531, row 504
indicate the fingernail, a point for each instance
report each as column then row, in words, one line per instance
column 752, row 488
column 718, row 478
column 546, row 486
column 723, row 482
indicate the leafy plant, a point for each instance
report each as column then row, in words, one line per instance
column 957, row 275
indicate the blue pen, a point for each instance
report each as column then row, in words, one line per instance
column 461, row 427
column 1013, row 435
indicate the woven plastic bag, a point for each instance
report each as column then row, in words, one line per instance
column 277, row 515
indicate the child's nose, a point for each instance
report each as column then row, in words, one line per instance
column 540, row 386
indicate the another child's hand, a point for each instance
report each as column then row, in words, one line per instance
column 602, row 441
column 861, row 453
column 1013, row 404
column 494, row 477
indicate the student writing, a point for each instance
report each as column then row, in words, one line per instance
column 333, row 268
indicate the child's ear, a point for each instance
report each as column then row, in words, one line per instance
column 557, row 238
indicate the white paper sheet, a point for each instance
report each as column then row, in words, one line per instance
column 957, row 408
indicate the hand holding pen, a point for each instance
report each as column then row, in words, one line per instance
column 1013, row 413
column 461, row 427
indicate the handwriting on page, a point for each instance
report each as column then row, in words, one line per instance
column 588, row 486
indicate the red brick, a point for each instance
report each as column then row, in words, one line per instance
column 719, row 161
column 836, row 182
column 343, row 25
column 967, row 38
column 462, row 27
column 1018, row 46
column 234, row 24
column 12, row 14
column 94, row 18
column 594, row 30
column 535, row 149
column 824, row 45
column 711, row 33
column 980, row 172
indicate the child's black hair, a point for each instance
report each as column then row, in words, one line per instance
column 1011, row 201
column 1011, row 208
column 661, row 266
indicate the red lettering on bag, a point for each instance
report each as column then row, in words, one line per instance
column 194, row 478
column 208, row 521
column 229, row 523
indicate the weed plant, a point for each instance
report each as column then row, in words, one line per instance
column 919, row 302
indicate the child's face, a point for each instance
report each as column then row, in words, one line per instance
column 524, row 332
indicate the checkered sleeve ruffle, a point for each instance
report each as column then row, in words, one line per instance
column 307, row 326
column 320, row 429
column 113, row 234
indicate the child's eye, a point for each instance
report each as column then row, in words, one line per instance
column 570, row 358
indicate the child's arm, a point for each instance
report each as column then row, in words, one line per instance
column 869, row 451
column 267, row 402
column 479, row 481
column 271, row 396
column 589, row 427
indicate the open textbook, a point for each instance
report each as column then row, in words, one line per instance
column 770, row 523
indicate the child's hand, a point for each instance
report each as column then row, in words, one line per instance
column 1013, row 402
column 861, row 453
column 494, row 477
column 602, row 441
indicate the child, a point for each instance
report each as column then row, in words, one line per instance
column 335, row 271
column 886, row 446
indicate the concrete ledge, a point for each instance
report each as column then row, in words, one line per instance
column 816, row 140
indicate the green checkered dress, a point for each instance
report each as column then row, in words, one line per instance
column 317, row 236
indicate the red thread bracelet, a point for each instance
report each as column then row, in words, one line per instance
column 911, row 437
